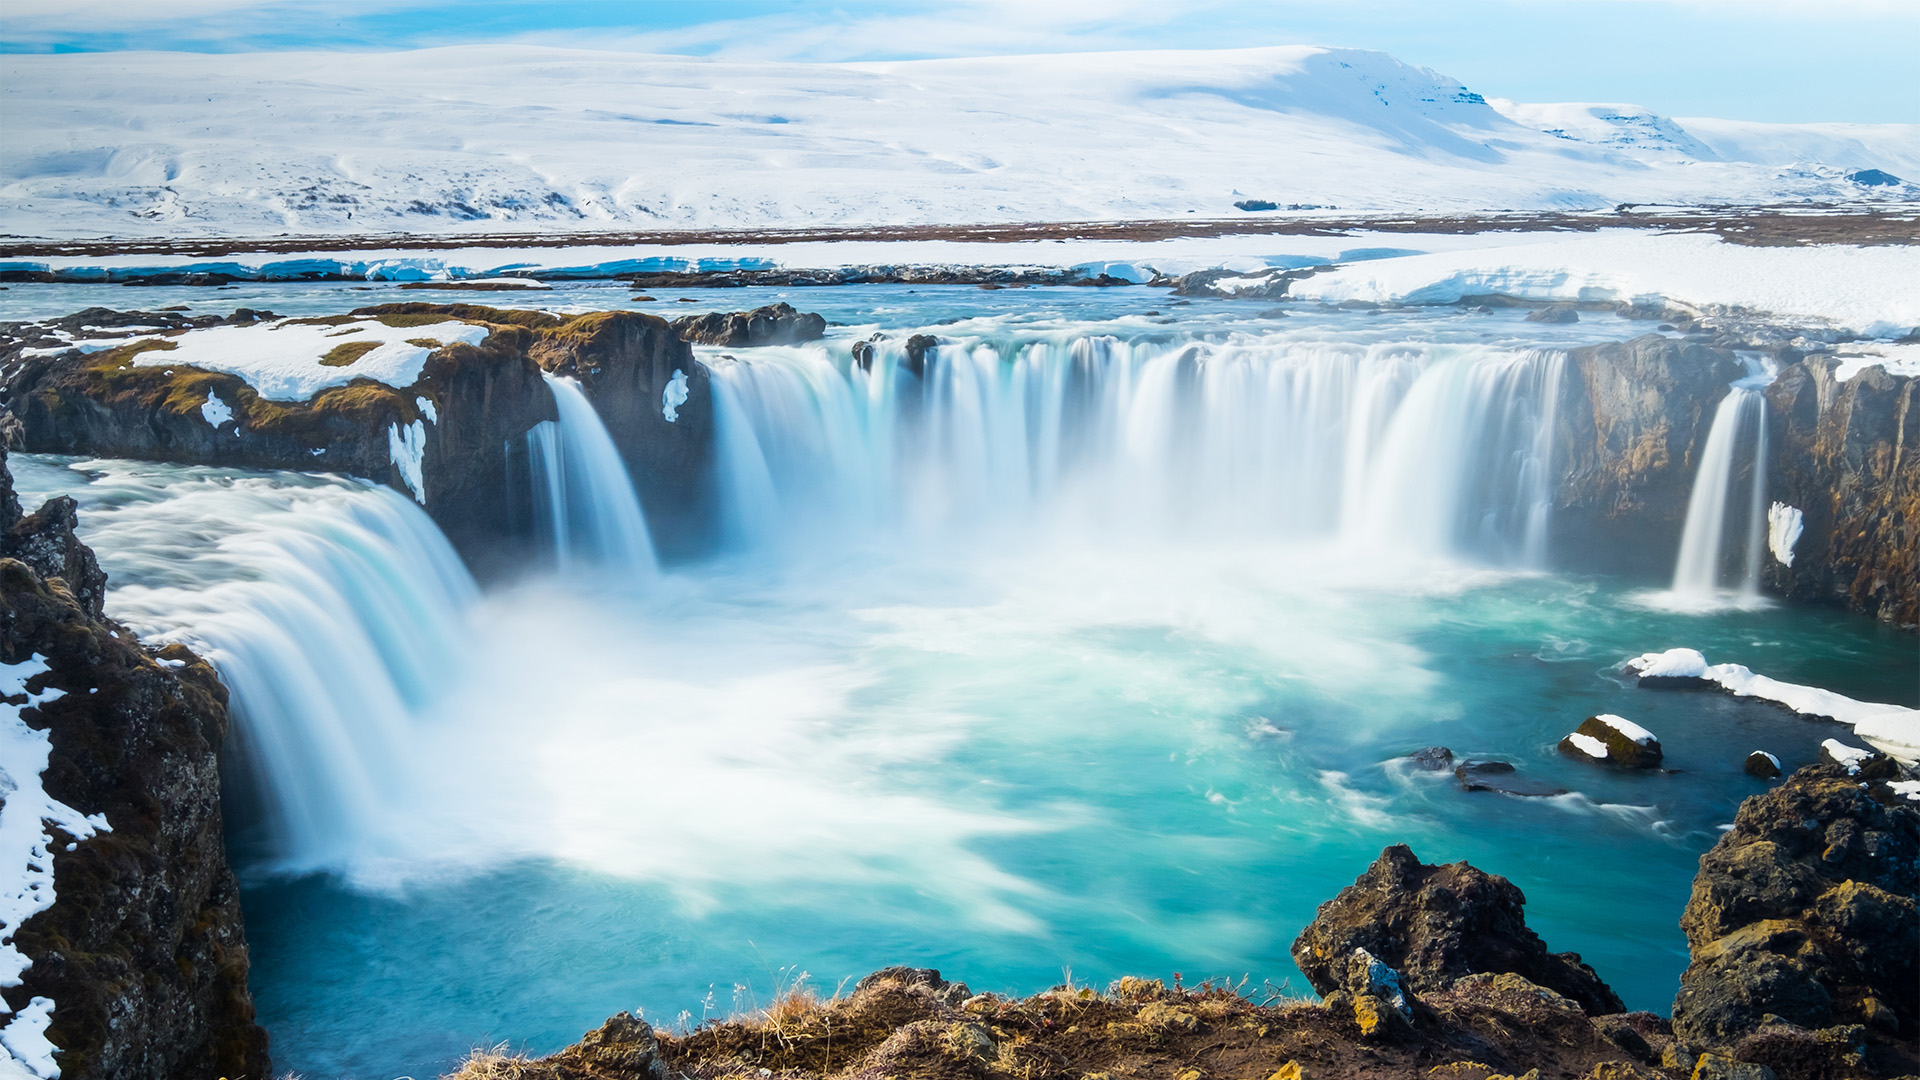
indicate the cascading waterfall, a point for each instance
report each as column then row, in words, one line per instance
column 1716, row 514
column 335, row 613
column 1411, row 448
column 585, row 509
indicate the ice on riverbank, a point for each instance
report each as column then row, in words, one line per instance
column 1892, row 728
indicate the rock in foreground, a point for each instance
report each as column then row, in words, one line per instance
column 904, row 1022
column 1436, row 925
column 1803, row 931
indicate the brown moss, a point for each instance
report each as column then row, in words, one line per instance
column 472, row 313
column 401, row 320
column 423, row 342
column 124, row 354
column 347, row 352
column 319, row 320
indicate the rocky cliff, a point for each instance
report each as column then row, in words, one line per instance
column 462, row 420
column 1847, row 456
column 143, row 953
column 1632, row 420
column 1803, row 932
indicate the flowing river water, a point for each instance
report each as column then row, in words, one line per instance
column 1094, row 649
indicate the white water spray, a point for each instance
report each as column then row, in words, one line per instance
column 585, row 506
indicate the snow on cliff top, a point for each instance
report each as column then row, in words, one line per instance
column 293, row 359
column 480, row 138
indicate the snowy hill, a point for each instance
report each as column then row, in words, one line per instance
column 498, row 138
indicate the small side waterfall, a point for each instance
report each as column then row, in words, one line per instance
column 1724, row 538
column 585, row 509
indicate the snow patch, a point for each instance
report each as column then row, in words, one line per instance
column 1893, row 728
column 1906, row 789
column 1589, row 746
column 215, row 411
column 1784, row 525
column 26, row 855
column 1634, row 732
column 26, row 1039
column 1896, row 358
column 427, row 410
column 674, row 396
column 407, row 446
column 282, row 359
column 1851, row 757
column 1672, row 664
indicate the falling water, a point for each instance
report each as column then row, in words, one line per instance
column 585, row 506
column 1411, row 448
column 335, row 612
column 1702, row 569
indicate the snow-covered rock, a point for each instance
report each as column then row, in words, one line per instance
column 1613, row 740
column 1895, row 729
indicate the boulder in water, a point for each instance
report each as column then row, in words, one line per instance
column 1762, row 764
column 1434, row 925
column 774, row 324
column 1432, row 759
column 920, row 347
column 1613, row 740
column 1501, row 776
column 1556, row 313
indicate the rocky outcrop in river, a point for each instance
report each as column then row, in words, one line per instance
column 143, row 953
column 1847, row 456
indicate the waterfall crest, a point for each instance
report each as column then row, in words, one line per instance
column 585, row 509
column 1724, row 539
column 335, row 613
column 1422, row 449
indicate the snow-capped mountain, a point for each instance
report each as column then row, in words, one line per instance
column 515, row 138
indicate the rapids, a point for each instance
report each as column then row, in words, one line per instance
column 1095, row 647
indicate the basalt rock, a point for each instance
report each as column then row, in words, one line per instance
column 625, row 362
column 1501, row 776
column 143, row 951
column 1803, row 917
column 1632, row 421
column 1435, row 925
column 1847, row 455
column 774, row 324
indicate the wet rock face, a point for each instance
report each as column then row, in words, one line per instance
column 625, row 362
column 1435, row 925
column 1805, row 913
column 775, row 324
column 143, row 952
column 1847, row 455
column 1632, row 420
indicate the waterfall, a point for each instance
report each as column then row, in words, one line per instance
column 585, row 509
column 335, row 613
column 1422, row 449
column 1702, row 568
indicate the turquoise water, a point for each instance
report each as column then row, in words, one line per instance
column 1008, row 754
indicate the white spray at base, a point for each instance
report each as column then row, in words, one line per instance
column 1708, row 547
column 335, row 613
column 585, row 509
column 1401, row 449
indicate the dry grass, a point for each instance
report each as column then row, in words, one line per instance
column 494, row 1063
column 423, row 342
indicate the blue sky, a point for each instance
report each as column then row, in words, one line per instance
column 1840, row 60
